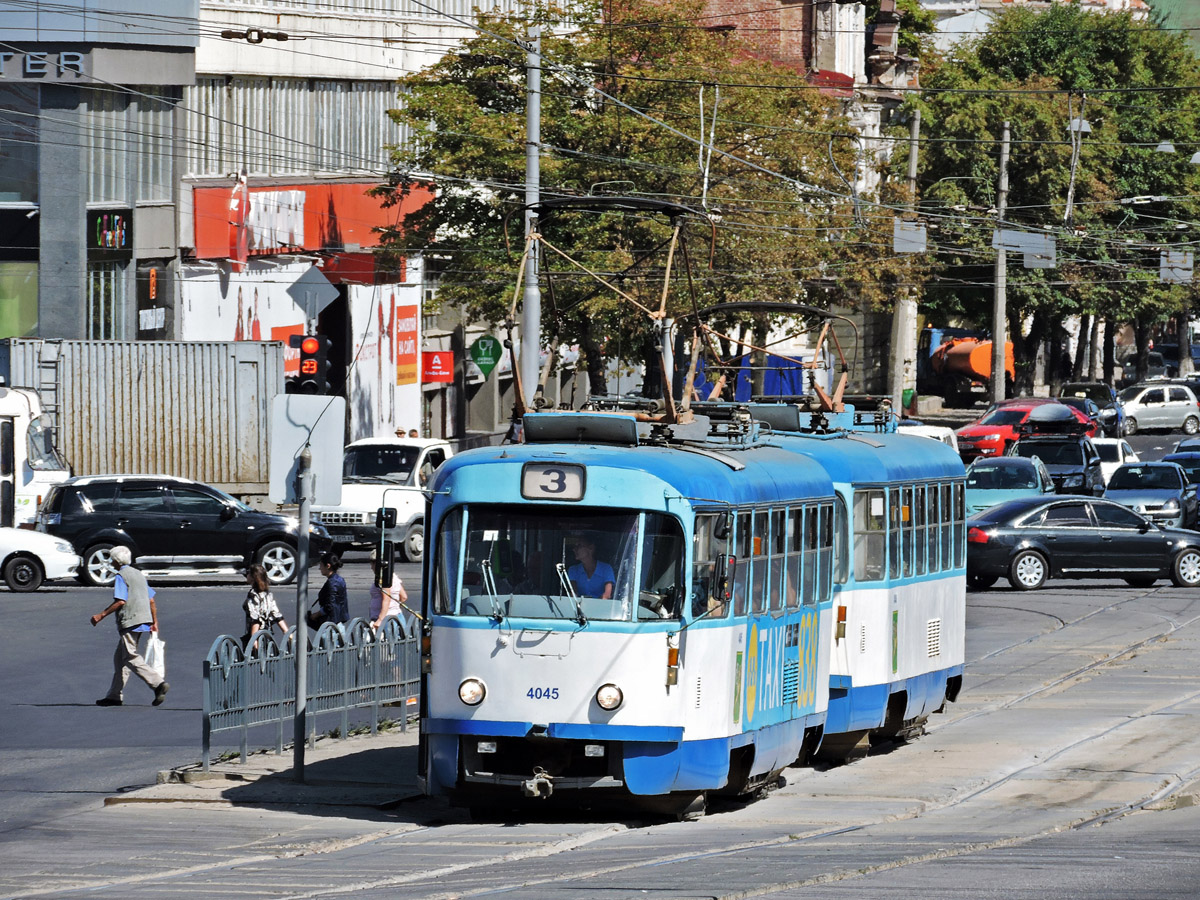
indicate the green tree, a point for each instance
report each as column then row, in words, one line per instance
column 775, row 234
column 1038, row 70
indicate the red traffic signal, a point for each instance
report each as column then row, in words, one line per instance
column 314, row 363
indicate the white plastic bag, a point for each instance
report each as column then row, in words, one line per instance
column 156, row 654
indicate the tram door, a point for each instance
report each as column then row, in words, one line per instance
column 8, row 486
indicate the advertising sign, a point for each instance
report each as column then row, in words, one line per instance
column 110, row 233
column 437, row 366
column 153, row 303
column 486, row 353
column 407, row 324
column 256, row 304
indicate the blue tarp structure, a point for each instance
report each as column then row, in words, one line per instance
column 783, row 378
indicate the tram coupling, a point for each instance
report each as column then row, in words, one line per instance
column 539, row 785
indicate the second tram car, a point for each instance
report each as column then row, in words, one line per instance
column 650, row 609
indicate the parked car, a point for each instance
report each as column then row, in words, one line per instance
column 936, row 432
column 1156, row 368
column 1087, row 407
column 1158, row 490
column 1189, row 461
column 1171, row 406
column 1028, row 541
column 994, row 480
column 1114, row 452
column 1112, row 410
column 997, row 429
column 1071, row 459
column 27, row 559
column 173, row 526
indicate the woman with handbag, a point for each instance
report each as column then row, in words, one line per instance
column 332, row 600
column 386, row 601
column 261, row 610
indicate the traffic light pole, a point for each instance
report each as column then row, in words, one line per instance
column 304, row 475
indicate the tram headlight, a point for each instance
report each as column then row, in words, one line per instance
column 472, row 691
column 609, row 697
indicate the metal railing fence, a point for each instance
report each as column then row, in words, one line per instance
column 349, row 667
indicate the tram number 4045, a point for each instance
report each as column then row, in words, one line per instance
column 537, row 693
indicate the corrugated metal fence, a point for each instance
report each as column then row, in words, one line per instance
column 189, row 408
column 349, row 667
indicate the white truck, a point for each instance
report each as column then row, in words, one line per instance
column 384, row 472
column 30, row 463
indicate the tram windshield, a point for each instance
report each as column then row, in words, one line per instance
column 503, row 562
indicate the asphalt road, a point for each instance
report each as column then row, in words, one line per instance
column 1068, row 768
column 58, row 750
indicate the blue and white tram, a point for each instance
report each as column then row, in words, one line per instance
column 898, row 629
column 693, row 656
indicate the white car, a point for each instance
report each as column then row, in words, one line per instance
column 27, row 558
column 1114, row 453
column 936, row 432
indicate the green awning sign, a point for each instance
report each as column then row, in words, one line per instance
column 485, row 353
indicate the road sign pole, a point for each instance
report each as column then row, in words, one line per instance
column 299, row 725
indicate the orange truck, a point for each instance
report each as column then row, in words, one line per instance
column 962, row 369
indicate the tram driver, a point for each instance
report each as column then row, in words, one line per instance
column 590, row 576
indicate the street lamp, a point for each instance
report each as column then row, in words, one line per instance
column 1164, row 146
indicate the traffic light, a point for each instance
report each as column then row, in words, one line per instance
column 314, row 363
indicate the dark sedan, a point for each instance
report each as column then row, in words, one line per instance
column 1030, row 540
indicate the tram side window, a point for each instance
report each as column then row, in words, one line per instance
column 947, row 525
column 741, row 579
column 661, row 589
column 960, row 517
column 449, row 549
column 703, row 564
column 779, row 545
column 812, row 538
column 932, row 520
column 759, row 571
column 895, row 532
column 841, row 542
column 796, row 556
column 919, row 543
column 870, row 530
column 825, row 553
column 910, row 540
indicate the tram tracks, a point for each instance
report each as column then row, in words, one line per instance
column 963, row 799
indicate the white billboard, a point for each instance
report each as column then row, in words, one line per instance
column 385, row 378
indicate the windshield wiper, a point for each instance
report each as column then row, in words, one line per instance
column 489, row 585
column 568, row 590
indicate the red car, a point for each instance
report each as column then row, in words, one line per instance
column 996, row 429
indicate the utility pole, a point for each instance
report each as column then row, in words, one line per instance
column 904, row 319
column 531, row 309
column 304, row 474
column 1000, row 300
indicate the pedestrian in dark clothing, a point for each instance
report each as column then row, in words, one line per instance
column 333, row 601
column 133, row 604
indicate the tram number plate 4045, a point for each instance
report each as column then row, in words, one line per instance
column 552, row 481
column 542, row 693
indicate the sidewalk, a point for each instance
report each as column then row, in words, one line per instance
column 361, row 771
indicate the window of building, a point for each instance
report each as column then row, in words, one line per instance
column 286, row 126
column 107, row 300
column 19, row 143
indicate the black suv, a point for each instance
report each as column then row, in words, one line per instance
column 173, row 526
column 1072, row 460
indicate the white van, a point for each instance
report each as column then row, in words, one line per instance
column 30, row 464
column 384, row 472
